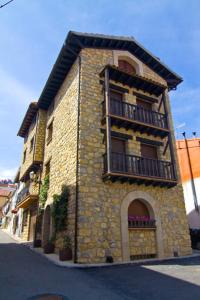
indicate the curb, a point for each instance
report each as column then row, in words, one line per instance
column 54, row 259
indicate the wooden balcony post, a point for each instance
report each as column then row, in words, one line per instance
column 171, row 147
column 108, row 120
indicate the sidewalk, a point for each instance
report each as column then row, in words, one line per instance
column 54, row 258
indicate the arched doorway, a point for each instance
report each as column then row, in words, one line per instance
column 46, row 225
column 141, row 232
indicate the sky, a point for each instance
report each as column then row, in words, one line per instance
column 33, row 31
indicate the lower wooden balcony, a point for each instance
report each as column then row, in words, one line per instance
column 140, row 170
column 26, row 197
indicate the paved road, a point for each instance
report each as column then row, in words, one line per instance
column 24, row 274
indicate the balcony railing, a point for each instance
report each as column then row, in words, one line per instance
column 141, row 224
column 137, row 113
column 139, row 166
column 23, row 194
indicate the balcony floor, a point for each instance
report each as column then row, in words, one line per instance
column 146, row 180
column 122, row 122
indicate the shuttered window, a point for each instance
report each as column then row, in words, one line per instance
column 126, row 67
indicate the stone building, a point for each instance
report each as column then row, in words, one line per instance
column 109, row 138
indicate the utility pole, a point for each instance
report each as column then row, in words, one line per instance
column 191, row 173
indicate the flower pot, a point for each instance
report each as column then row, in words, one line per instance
column 65, row 254
column 37, row 243
column 49, row 248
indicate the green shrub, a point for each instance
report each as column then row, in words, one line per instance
column 44, row 191
column 60, row 208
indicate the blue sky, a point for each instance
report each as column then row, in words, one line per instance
column 33, row 31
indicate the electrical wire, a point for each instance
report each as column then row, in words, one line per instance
column 1, row 6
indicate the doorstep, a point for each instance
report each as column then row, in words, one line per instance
column 54, row 258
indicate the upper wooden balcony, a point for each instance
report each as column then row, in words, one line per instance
column 135, row 117
column 140, row 170
column 28, row 195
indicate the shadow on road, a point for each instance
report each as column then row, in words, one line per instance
column 24, row 274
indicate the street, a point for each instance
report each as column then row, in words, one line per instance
column 24, row 274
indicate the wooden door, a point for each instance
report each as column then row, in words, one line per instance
column 149, row 151
column 118, row 145
column 33, row 214
column 144, row 104
column 116, row 102
column 118, row 161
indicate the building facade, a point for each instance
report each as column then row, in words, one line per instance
column 107, row 134
column 188, row 155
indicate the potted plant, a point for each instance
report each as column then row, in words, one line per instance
column 66, row 252
column 49, row 246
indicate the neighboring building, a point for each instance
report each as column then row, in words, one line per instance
column 104, row 122
column 189, row 161
column 4, row 196
column 33, row 131
column 6, row 189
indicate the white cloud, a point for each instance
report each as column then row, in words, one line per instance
column 7, row 173
column 14, row 89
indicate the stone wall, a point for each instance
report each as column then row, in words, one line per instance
column 61, row 151
column 99, row 226
column 142, row 241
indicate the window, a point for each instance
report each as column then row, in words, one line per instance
column 47, row 168
column 49, row 132
column 24, row 156
column 126, row 67
column 51, row 108
column 149, row 151
column 31, row 144
column 144, row 104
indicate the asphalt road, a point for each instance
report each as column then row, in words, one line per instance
column 24, row 274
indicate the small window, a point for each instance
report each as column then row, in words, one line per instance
column 24, row 156
column 31, row 144
column 47, row 169
column 49, row 132
column 126, row 67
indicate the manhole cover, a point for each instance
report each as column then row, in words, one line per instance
column 48, row 297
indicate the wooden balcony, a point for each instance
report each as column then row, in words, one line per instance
column 26, row 197
column 140, row 170
column 134, row 117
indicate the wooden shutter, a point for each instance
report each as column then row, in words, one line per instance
column 118, row 145
column 116, row 96
column 149, row 151
column 144, row 104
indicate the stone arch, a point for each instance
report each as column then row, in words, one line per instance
column 46, row 228
column 131, row 59
column 154, row 213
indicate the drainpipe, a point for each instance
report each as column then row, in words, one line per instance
column 191, row 175
column 77, row 164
